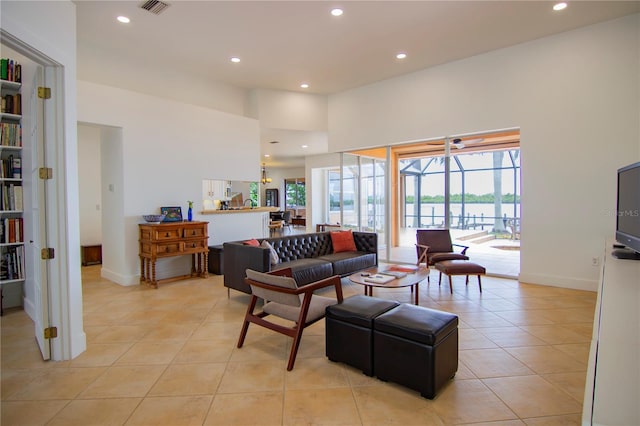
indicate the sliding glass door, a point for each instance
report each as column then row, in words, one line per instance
column 357, row 196
column 470, row 186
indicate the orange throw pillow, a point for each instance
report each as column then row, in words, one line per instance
column 343, row 241
column 252, row 242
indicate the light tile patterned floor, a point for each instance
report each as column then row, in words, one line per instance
column 169, row 357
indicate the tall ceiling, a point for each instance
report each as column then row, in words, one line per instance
column 282, row 44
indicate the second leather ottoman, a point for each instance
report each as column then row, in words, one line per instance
column 416, row 347
column 349, row 330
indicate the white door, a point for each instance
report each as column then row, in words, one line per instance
column 35, row 213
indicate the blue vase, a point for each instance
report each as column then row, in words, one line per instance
column 190, row 214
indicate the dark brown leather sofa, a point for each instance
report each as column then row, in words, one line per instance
column 310, row 257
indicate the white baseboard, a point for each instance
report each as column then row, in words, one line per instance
column 129, row 280
column 556, row 281
column 29, row 308
column 124, row 280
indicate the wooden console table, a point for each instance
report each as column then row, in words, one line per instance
column 172, row 239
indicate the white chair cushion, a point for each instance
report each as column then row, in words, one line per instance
column 275, row 280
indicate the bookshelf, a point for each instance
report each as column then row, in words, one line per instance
column 12, row 251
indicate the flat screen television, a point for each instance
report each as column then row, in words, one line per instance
column 628, row 213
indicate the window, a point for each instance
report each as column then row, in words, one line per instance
column 295, row 196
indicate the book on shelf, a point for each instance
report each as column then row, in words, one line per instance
column 17, row 198
column 10, row 70
column 16, row 168
column 12, row 264
column 12, row 104
column 11, row 195
column 11, row 134
column 12, row 230
column 379, row 278
column 4, row 69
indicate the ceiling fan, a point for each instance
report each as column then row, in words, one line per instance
column 459, row 143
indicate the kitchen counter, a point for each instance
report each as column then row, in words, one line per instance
column 241, row 210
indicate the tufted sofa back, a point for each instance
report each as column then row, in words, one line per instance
column 294, row 247
column 239, row 257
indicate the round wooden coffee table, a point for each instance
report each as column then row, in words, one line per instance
column 412, row 279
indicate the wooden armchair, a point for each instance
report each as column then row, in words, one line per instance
column 284, row 299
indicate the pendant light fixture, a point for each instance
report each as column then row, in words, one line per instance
column 264, row 179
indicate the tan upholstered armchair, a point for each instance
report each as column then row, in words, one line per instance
column 284, row 299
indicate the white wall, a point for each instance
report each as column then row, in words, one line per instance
column 288, row 110
column 143, row 77
column 168, row 148
column 89, row 185
column 575, row 98
column 114, row 258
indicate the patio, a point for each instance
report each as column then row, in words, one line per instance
column 501, row 257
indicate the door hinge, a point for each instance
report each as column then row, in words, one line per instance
column 44, row 92
column 47, row 253
column 45, row 173
column 51, row 332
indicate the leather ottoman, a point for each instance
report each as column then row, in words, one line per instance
column 416, row 347
column 349, row 330
column 460, row 267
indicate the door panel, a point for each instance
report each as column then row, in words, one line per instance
column 35, row 215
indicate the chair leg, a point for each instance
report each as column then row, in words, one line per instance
column 294, row 348
column 245, row 324
column 440, row 278
column 243, row 333
column 479, row 284
column 466, row 282
column 450, row 284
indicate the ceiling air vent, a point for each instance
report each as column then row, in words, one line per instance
column 154, row 6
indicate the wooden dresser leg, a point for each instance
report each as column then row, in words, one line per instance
column 154, row 283
column 141, row 269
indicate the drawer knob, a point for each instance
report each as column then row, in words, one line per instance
column 166, row 235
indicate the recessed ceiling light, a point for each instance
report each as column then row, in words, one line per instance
column 305, row 146
column 401, row 55
column 304, row 85
column 123, row 19
column 560, row 6
column 337, row 11
column 235, row 59
column 267, row 155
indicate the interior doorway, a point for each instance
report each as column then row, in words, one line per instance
column 101, row 195
column 44, row 218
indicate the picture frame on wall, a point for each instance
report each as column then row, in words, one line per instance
column 171, row 214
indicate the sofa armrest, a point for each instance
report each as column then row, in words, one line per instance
column 238, row 258
column 366, row 242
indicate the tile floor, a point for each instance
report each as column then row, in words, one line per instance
column 168, row 357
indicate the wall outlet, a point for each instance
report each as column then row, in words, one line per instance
column 595, row 261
